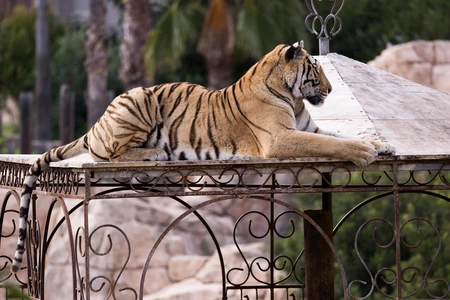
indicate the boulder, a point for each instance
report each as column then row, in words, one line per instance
column 424, row 62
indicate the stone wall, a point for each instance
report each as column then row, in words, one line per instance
column 424, row 62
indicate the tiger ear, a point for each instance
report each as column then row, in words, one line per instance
column 298, row 45
column 296, row 50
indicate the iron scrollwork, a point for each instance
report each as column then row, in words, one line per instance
column 395, row 278
column 314, row 17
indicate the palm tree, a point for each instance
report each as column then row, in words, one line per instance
column 136, row 28
column 228, row 29
column 96, row 61
column 42, row 81
column 217, row 42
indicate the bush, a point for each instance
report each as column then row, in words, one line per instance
column 17, row 50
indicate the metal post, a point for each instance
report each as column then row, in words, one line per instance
column 25, row 100
column 324, row 45
column 66, row 114
column 319, row 258
column 319, row 270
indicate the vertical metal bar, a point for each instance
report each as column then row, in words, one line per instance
column 327, row 197
column 397, row 231
column 87, row 196
column 324, row 45
column 272, row 230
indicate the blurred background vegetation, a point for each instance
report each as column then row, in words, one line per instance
column 213, row 43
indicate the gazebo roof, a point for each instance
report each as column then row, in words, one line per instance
column 369, row 102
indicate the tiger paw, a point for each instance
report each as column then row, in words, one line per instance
column 142, row 154
column 383, row 148
column 360, row 152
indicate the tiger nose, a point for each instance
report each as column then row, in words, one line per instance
column 329, row 90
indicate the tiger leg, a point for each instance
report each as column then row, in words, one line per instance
column 141, row 154
column 304, row 144
column 383, row 148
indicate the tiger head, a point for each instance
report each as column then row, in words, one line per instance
column 302, row 75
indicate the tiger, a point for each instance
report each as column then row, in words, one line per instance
column 262, row 115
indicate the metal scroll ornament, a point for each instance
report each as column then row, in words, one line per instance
column 318, row 25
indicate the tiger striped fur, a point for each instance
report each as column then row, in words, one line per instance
column 261, row 115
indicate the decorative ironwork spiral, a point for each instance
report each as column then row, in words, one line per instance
column 314, row 19
column 390, row 276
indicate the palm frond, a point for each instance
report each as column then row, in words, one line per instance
column 177, row 27
column 263, row 24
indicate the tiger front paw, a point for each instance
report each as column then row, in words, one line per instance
column 384, row 148
column 360, row 152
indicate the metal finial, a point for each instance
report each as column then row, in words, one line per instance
column 322, row 32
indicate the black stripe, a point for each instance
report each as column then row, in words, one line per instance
column 234, row 147
column 242, row 114
column 158, row 134
column 132, row 110
column 176, row 104
column 92, row 152
column 240, row 86
column 212, row 104
column 284, row 46
column 307, row 124
column 211, row 138
column 173, row 88
column 128, row 125
column 198, row 148
column 23, row 212
column 182, row 156
column 255, row 67
column 147, row 105
column 222, row 104
column 229, row 105
column 26, row 189
column 173, row 132
column 208, row 156
column 193, row 136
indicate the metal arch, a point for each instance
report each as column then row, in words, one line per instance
column 46, row 242
column 371, row 199
column 272, row 200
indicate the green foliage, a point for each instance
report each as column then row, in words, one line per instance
column 284, row 20
column 368, row 26
column 173, row 40
column 17, row 50
column 375, row 245
column 113, row 81
column 67, row 66
column 176, row 28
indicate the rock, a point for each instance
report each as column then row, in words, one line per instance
column 181, row 267
column 211, row 271
column 424, row 62
column 191, row 289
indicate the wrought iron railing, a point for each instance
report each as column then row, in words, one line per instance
column 277, row 274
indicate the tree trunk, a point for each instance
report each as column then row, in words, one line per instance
column 96, row 61
column 42, row 81
column 136, row 28
column 217, row 43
